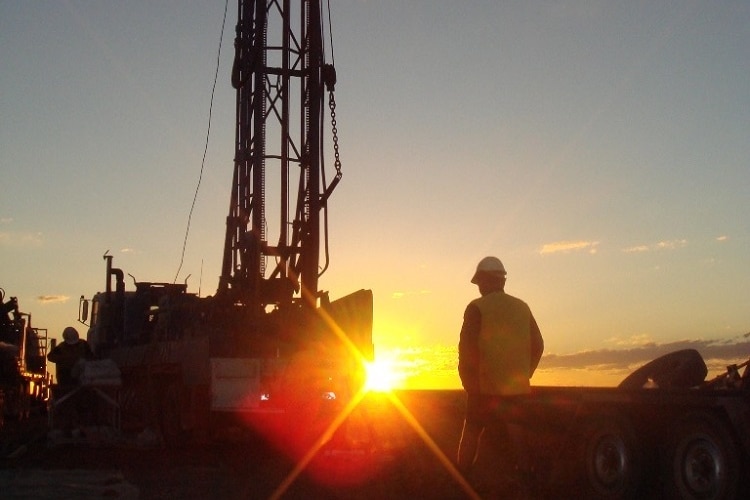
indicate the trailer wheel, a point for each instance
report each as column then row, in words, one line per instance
column 611, row 458
column 684, row 368
column 703, row 461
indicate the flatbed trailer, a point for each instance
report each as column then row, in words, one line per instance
column 620, row 442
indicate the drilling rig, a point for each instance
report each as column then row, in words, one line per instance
column 269, row 345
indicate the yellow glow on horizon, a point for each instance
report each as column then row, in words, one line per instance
column 382, row 375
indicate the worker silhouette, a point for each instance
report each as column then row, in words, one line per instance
column 499, row 349
column 67, row 354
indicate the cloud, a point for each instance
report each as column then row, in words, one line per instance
column 722, row 238
column 51, row 299
column 11, row 239
column 715, row 352
column 636, row 249
column 662, row 245
column 18, row 239
column 569, row 246
column 671, row 245
column 633, row 340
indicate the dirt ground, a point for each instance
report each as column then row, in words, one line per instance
column 391, row 461
column 395, row 448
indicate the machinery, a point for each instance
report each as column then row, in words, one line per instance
column 24, row 380
column 269, row 347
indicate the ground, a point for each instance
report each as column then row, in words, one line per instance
column 394, row 448
column 384, row 456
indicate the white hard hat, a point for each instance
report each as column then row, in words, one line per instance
column 491, row 266
column 70, row 335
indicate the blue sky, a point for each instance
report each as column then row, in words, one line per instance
column 600, row 149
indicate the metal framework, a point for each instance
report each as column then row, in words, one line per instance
column 278, row 75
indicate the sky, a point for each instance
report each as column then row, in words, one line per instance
column 599, row 149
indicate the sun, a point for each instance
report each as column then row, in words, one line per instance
column 382, row 375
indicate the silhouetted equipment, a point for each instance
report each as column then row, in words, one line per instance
column 24, row 381
column 189, row 361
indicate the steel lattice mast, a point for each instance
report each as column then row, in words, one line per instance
column 278, row 75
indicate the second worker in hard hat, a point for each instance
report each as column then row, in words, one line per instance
column 67, row 354
column 499, row 349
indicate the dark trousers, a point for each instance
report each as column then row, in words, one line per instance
column 497, row 418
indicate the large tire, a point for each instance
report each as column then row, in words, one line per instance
column 610, row 458
column 702, row 461
column 684, row 368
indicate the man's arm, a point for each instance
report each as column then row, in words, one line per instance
column 468, row 349
column 537, row 345
column 54, row 355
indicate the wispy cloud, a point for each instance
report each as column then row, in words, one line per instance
column 722, row 238
column 633, row 340
column 569, row 246
column 662, row 245
column 636, row 249
column 628, row 358
column 51, row 299
column 11, row 239
column 671, row 245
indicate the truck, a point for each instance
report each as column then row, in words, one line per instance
column 269, row 350
column 24, row 380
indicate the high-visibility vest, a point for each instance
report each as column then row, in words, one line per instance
column 504, row 344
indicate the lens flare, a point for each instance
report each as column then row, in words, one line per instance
column 382, row 375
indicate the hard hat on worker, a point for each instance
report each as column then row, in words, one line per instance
column 490, row 266
column 70, row 335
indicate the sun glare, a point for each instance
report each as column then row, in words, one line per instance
column 382, row 375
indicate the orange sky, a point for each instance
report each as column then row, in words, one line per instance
column 436, row 367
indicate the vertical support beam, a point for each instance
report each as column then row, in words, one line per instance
column 312, row 99
column 278, row 54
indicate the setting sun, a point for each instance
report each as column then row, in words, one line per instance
column 382, row 375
